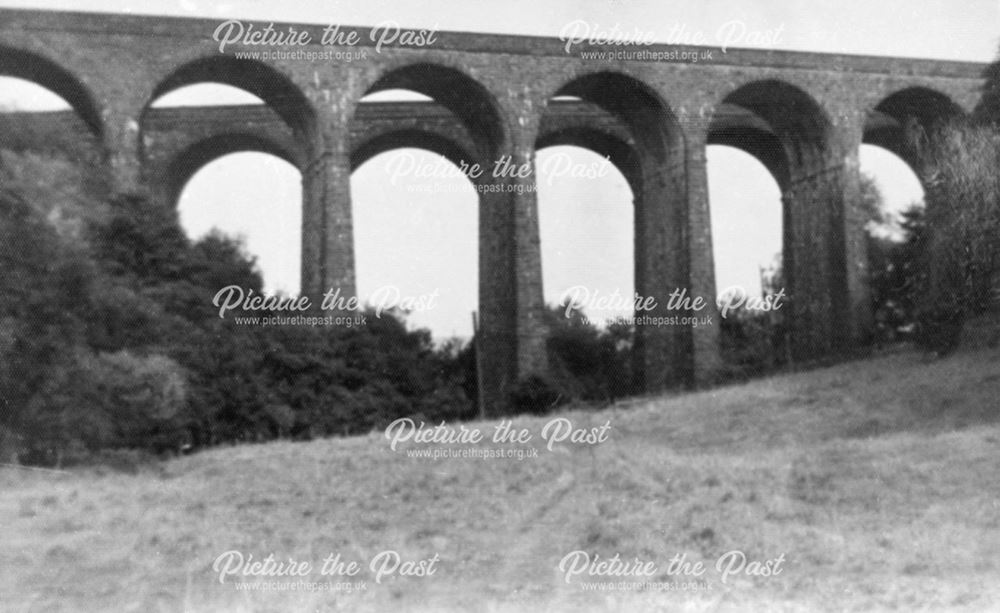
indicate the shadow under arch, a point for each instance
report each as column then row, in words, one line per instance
column 50, row 75
column 902, row 119
column 776, row 122
column 652, row 125
column 267, row 83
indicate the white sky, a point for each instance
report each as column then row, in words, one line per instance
column 426, row 242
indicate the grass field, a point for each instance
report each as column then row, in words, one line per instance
column 877, row 480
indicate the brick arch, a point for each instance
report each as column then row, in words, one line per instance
column 34, row 67
column 616, row 150
column 645, row 124
column 759, row 142
column 908, row 113
column 410, row 138
column 778, row 123
column 650, row 122
column 789, row 131
column 170, row 182
column 272, row 86
column 465, row 119
column 452, row 88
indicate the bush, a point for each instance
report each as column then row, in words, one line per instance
column 587, row 362
column 44, row 296
column 534, row 395
column 897, row 276
column 752, row 344
column 97, row 401
column 959, row 161
column 109, row 340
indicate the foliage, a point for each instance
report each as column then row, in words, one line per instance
column 896, row 275
column 109, row 340
column 93, row 401
column 535, row 395
column 988, row 110
column 754, row 342
column 588, row 362
column 43, row 302
column 959, row 161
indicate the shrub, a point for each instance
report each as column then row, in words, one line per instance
column 959, row 161
column 897, row 276
column 109, row 340
column 534, row 394
column 96, row 401
column 588, row 362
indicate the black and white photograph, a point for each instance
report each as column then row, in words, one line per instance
column 536, row 306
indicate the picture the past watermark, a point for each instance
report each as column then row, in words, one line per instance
column 335, row 42
column 270, row 573
column 679, row 307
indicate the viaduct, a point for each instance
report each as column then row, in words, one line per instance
column 803, row 115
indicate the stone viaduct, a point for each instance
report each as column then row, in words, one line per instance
column 803, row 115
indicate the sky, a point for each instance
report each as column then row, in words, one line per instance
column 415, row 244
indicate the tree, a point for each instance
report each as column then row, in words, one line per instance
column 896, row 275
column 959, row 161
column 109, row 338
column 91, row 401
column 988, row 110
column 44, row 296
column 588, row 362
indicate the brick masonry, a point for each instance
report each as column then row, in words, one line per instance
column 804, row 115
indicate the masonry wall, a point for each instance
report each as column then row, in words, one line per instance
column 112, row 67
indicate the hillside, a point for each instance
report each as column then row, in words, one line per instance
column 876, row 481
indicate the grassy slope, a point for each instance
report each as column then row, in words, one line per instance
column 877, row 479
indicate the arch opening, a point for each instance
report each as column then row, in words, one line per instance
column 206, row 94
column 393, row 118
column 33, row 68
column 747, row 224
column 787, row 131
column 776, row 122
column 432, row 85
column 184, row 165
column 416, row 239
column 628, row 124
column 895, row 185
column 270, row 86
column 246, row 181
column 903, row 119
column 586, row 221
column 613, row 150
column 37, row 119
column 650, row 123
column 255, row 197
column 193, row 125
column 412, row 133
